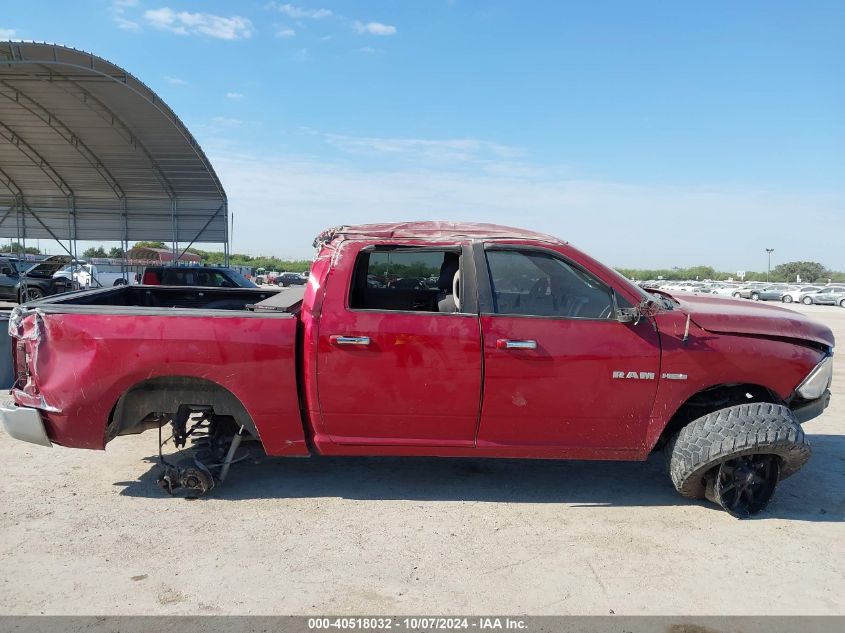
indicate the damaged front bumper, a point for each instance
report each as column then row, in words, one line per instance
column 23, row 423
column 806, row 410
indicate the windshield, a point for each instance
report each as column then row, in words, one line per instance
column 240, row 280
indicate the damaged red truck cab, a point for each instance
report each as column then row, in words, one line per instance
column 434, row 338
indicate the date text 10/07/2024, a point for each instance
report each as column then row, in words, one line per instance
column 418, row 623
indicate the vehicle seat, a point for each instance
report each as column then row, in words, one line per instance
column 151, row 278
column 450, row 267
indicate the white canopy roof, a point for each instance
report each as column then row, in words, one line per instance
column 88, row 152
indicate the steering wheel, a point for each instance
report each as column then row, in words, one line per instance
column 577, row 304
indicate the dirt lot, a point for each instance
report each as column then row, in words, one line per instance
column 90, row 533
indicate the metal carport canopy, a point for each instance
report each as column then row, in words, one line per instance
column 88, row 152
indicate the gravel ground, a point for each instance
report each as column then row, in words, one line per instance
column 90, row 533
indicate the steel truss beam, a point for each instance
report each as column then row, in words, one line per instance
column 30, row 105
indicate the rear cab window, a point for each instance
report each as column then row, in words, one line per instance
column 407, row 279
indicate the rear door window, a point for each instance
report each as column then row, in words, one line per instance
column 410, row 280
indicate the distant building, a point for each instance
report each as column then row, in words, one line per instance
column 160, row 256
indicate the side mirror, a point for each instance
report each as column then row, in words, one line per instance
column 623, row 315
column 629, row 315
column 646, row 308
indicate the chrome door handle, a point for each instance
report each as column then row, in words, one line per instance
column 504, row 343
column 350, row 340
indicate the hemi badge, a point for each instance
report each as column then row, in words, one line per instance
column 674, row 376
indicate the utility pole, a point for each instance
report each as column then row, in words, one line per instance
column 769, row 251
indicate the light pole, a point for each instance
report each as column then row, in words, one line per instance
column 769, row 251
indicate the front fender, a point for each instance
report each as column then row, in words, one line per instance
column 704, row 360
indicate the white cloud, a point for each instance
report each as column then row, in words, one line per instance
column 123, row 23
column 650, row 220
column 185, row 23
column 466, row 150
column 368, row 50
column 298, row 13
column 229, row 122
column 374, row 28
column 176, row 81
column 285, row 31
column 117, row 10
column 7, row 34
column 234, row 95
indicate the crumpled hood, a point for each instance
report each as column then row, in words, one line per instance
column 48, row 267
column 726, row 315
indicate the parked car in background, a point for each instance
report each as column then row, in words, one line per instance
column 22, row 282
column 794, row 293
column 807, row 297
column 725, row 289
column 409, row 283
column 829, row 295
column 206, row 276
column 769, row 293
column 745, row 291
column 89, row 276
column 266, row 277
column 290, row 279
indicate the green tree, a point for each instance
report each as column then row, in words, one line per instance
column 115, row 252
column 94, row 251
column 150, row 245
column 808, row 271
column 15, row 247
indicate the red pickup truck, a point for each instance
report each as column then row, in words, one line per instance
column 510, row 343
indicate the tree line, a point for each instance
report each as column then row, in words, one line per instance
column 214, row 258
column 809, row 272
column 788, row 272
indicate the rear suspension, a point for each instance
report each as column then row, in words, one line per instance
column 215, row 441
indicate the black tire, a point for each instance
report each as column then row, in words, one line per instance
column 807, row 301
column 786, row 298
column 755, row 296
column 737, row 295
column 31, row 294
column 842, row 303
column 759, row 428
column 119, row 282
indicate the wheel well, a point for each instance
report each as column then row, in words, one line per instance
column 153, row 402
column 713, row 399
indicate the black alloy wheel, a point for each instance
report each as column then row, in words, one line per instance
column 33, row 294
column 744, row 486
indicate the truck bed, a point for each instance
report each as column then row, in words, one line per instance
column 164, row 297
column 84, row 351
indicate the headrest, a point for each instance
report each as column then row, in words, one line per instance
column 451, row 265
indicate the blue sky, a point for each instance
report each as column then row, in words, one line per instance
column 647, row 133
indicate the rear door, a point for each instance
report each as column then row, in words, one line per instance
column 560, row 370
column 392, row 368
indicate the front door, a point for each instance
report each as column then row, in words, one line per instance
column 560, row 370
column 8, row 281
column 399, row 360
